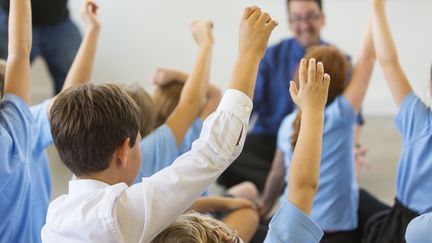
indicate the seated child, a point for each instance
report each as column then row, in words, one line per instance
column 414, row 120
column 96, row 131
column 16, row 130
column 291, row 223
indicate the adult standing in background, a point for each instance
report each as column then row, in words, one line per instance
column 55, row 37
column 272, row 101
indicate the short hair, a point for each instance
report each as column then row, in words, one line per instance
column 197, row 228
column 147, row 111
column 166, row 99
column 89, row 123
column 319, row 2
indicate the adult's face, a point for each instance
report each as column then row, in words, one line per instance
column 305, row 21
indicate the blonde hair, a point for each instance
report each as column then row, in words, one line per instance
column 197, row 228
column 147, row 112
column 166, row 99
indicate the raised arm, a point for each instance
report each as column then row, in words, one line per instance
column 255, row 30
column 305, row 165
column 17, row 77
column 196, row 86
column 362, row 71
column 82, row 67
column 387, row 54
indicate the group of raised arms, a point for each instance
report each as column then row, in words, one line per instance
column 142, row 163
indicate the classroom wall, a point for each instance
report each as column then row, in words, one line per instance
column 138, row 36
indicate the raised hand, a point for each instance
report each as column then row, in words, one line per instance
column 164, row 76
column 88, row 13
column 202, row 31
column 255, row 29
column 314, row 85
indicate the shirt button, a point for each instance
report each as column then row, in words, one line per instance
column 247, row 108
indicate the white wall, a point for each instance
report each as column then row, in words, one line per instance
column 138, row 36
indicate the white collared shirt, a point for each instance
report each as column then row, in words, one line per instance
column 96, row 212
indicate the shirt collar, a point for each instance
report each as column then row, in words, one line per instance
column 81, row 186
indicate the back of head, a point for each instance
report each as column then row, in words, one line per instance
column 2, row 76
column 89, row 123
column 166, row 99
column 197, row 228
column 336, row 65
column 147, row 111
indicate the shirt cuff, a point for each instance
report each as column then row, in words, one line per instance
column 237, row 103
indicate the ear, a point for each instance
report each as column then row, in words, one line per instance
column 122, row 152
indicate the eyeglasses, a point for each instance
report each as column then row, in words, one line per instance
column 309, row 18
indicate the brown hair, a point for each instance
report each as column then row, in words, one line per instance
column 319, row 2
column 144, row 101
column 197, row 228
column 2, row 76
column 89, row 123
column 336, row 65
column 166, row 99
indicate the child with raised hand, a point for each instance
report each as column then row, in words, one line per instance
column 291, row 223
column 161, row 146
column 338, row 203
column 79, row 73
column 414, row 119
column 16, row 130
column 102, row 149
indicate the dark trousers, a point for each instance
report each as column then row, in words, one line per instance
column 253, row 164
column 389, row 226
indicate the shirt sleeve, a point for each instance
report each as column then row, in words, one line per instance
column 413, row 119
column 146, row 208
column 191, row 135
column 340, row 112
column 418, row 229
column 43, row 137
column 16, row 135
column 291, row 225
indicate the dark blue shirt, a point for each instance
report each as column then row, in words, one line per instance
column 272, row 100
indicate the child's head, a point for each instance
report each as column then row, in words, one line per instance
column 95, row 128
column 147, row 113
column 166, row 99
column 2, row 76
column 336, row 65
column 199, row 228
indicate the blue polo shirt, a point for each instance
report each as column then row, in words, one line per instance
column 191, row 135
column 336, row 202
column 16, row 142
column 39, row 168
column 290, row 224
column 419, row 229
column 414, row 176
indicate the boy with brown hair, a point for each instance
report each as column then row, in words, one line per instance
column 96, row 130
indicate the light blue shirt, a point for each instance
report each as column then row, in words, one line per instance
column 419, row 229
column 39, row 168
column 291, row 225
column 414, row 176
column 336, row 202
column 191, row 135
column 158, row 150
column 16, row 140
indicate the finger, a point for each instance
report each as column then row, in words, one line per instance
column 255, row 14
column 293, row 90
column 264, row 18
column 326, row 82
column 311, row 70
column 272, row 24
column 303, row 73
column 248, row 11
column 320, row 73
